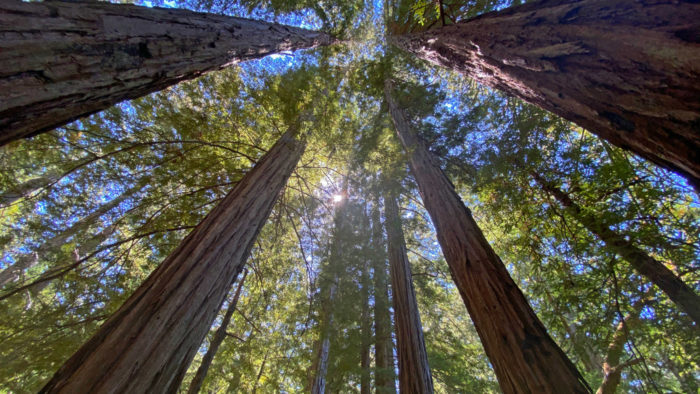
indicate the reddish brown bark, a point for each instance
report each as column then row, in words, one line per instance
column 60, row 61
column 524, row 357
column 366, row 332
column 414, row 371
column 385, row 379
column 217, row 340
column 627, row 71
column 657, row 273
column 148, row 344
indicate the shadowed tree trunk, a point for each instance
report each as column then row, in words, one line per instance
column 414, row 371
column 657, row 273
column 60, row 61
column 219, row 336
column 627, row 71
column 384, row 377
column 523, row 355
column 366, row 332
column 148, row 344
column 28, row 187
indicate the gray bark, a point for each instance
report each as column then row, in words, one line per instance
column 60, row 61
column 216, row 342
column 148, row 344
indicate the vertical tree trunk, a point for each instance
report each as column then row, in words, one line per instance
column 147, row 345
column 64, row 60
column 385, row 379
column 523, row 355
column 366, row 332
column 219, row 336
column 414, row 371
column 657, row 273
column 323, row 346
column 625, row 70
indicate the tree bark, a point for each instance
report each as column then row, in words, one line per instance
column 147, row 345
column 26, row 188
column 60, row 61
column 218, row 339
column 414, row 371
column 626, row 71
column 657, row 273
column 612, row 368
column 366, row 332
column 27, row 261
column 384, row 375
column 524, row 357
column 323, row 346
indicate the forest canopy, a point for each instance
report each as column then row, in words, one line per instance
column 349, row 162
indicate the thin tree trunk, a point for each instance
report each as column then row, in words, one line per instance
column 64, row 60
column 26, row 261
column 612, row 368
column 218, row 339
column 523, row 355
column 148, row 344
column 680, row 293
column 366, row 332
column 320, row 366
column 414, row 371
column 625, row 70
column 384, row 376
column 27, row 187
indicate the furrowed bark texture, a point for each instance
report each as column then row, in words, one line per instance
column 627, row 71
column 524, row 357
column 147, row 345
column 657, row 273
column 218, row 339
column 60, row 61
column 385, row 379
column 414, row 371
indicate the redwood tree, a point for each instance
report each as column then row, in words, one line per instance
column 148, row 344
column 217, row 340
column 655, row 271
column 626, row 71
column 384, row 374
column 60, row 61
column 414, row 371
column 523, row 355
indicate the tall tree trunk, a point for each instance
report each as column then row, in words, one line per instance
column 414, row 371
column 27, row 187
column 366, row 332
column 626, row 71
column 64, row 60
column 219, row 336
column 384, row 376
column 523, row 355
column 147, row 345
column 323, row 346
column 26, row 261
column 680, row 293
